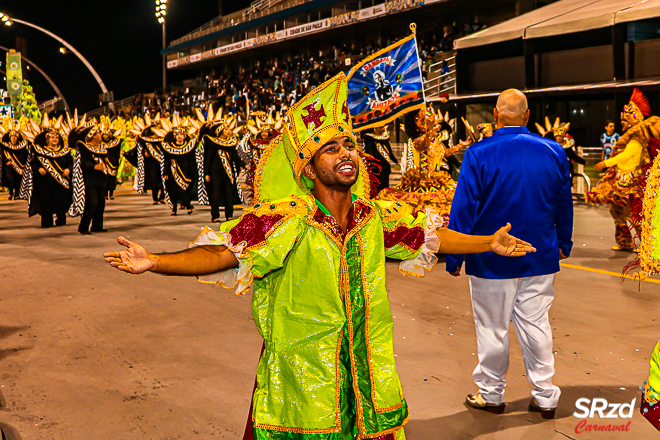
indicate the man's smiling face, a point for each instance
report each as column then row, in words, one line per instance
column 335, row 165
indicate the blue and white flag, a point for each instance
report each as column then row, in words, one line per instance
column 385, row 85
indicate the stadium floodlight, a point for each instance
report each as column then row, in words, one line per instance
column 161, row 12
column 5, row 19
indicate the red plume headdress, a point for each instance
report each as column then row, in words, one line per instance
column 638, row 107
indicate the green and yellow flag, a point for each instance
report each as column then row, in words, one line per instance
column 14, row 74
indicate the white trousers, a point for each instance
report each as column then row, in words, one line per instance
column 526, row 302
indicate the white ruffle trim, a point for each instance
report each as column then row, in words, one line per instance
column 426, row 258
column 241, row 277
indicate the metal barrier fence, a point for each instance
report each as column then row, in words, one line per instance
column 443, row 83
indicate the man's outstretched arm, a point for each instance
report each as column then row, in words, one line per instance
column 452, row 242
column 197, row 261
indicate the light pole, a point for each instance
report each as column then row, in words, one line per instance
column 161, row 12
column 9, row 21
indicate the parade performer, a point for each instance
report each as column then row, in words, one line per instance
column 559, row 133
column 650, row 402
column 426, row 181
column 90, row 174
column 314, row 248
column 261, row 132
column 482, row 132
column 623, row 184
column 47, row 178
column 485, row 130
column 649, row 263
column 126, row 169
column 218, row 143
column 377, row 144
column 112, row 143
column 14, row 148
column 148, row 157
column 181, row 167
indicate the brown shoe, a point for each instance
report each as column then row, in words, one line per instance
column 546, row 413
column 477, row 402
column 618, row 248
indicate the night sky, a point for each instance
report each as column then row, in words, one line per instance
column 120, row 38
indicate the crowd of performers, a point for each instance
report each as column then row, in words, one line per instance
column 73, row 165
column 181, row 160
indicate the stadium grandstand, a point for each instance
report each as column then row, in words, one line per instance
column 271, row 53
column 577, row 59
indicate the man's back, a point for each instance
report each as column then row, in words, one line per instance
column 521, row 178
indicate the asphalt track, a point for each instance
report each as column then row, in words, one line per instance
column 87, row 352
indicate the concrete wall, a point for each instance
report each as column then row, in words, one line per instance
column 497, row 74
column 647, row 58
column 577, row 66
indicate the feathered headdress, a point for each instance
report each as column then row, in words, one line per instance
column 40, row 133
column 48, row 127
column 557, row 129
column 259, row 124
column 10, row 127
column 638, row 107
column 428, row 118
column 214, row 123
column 143, row 128
column 174, row 125
column 210, row 118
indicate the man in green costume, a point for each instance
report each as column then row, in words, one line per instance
column 314, row 246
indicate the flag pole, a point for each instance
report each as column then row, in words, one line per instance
column 413, row 28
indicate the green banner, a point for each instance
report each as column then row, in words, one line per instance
column 14, row 74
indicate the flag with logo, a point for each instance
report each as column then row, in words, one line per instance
column 386, row 85
column 14, row 74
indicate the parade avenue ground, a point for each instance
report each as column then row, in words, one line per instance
column 90, row 353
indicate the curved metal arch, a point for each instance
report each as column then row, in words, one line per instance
column 68, row 46
column 52, row 84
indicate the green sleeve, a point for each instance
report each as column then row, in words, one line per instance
column 261, row 241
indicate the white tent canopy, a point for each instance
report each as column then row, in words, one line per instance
column 564, row 17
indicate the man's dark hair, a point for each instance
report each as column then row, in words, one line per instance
column 608, row 122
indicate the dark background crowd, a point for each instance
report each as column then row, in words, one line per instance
column 275, row 86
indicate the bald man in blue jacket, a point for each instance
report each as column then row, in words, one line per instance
column 521, row 177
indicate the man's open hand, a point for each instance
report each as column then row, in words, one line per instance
column 134, row 260
column 508, row 245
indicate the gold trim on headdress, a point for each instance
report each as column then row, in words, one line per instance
column 139, row 125
column 315, row 120
column 174, row 125
column 558, row 128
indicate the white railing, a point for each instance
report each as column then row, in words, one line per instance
column 444, row 83
column 108, row 109
column 259, row 5
column 49, row 105
column 248, row 14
